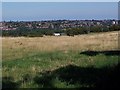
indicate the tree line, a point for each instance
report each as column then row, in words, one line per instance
column 24, row 31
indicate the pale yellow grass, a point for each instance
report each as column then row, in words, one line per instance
column 20, row 46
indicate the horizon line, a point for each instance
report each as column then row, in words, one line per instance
column 53, row 20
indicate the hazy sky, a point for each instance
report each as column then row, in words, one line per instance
column 59, row 0
column 61, row 10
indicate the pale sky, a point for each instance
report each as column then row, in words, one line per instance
column 31, row 11
column 59, row 0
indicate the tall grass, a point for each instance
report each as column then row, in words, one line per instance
column 19, row 47
column 60, row 62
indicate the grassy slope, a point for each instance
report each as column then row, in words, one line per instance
column 59, row 62
column 18, row 47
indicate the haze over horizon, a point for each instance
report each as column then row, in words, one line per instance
column 38, row 11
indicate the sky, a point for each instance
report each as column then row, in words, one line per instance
column 36, row 11
column 60, row 0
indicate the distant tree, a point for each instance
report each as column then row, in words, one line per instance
column 70, row 32
column 114, row 28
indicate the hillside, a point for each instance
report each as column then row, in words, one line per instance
column 83, row 61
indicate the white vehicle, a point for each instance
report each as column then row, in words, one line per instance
column 56, row 34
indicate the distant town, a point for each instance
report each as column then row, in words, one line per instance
column 55, row 24
column 69, row 27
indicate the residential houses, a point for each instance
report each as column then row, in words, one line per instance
column 55, row 24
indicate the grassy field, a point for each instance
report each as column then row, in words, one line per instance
column 60, row 62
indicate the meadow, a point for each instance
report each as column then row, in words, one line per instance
column 82, row 61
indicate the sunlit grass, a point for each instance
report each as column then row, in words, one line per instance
column 39, row 62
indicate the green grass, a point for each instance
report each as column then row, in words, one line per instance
column 58, row 69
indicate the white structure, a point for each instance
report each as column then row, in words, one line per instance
column 113, row 22
column 56, row 34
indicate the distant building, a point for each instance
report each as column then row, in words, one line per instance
column 98, row 23
column 114, row 22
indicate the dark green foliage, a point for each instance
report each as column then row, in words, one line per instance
column 114, row 28
column 91, row 29
column 76, row 31
column 70, row 32
column 34, row 32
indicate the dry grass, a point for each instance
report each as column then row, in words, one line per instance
column 19, row 46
